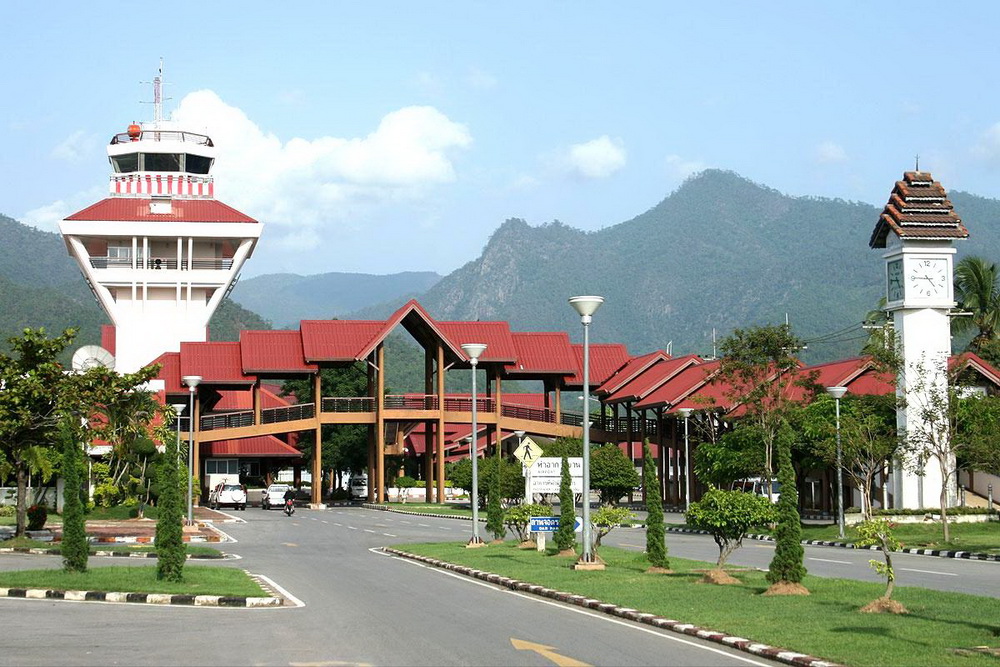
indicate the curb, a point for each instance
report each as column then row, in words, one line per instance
column 384, row 508
column 142, row 598
column 738, row 643
column 940, row 553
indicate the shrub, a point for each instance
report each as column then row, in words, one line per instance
column 518, row 517
column 728, row 516
column 8, row 510
column 565, row 537
column 74, row 548
column 656, row 543
column 787, row 563
column 607, row 518
column 37, row 516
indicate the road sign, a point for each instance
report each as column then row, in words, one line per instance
column 528, row 452
column 550, row 524
column 551, row 466
column 539, row 484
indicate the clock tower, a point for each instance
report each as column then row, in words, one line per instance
column 916, row 230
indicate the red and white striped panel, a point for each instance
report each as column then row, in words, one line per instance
column 178, row 185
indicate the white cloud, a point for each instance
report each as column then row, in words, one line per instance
column 829, row 152
column 314, row 182
column 678, row 168
column 48, row 217
column 75, row 147
column 597, row 158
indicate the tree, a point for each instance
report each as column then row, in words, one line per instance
column 565, row 536
column 878, row 532
column 612, row 473
column 868, row 438
column 170, row 550
column 977, row 291
column 74, row 548
column 511, row 480
column 494, row 511
column 607, row 518
column 757, row 366
column 32, row 380
column 787, row 564
column 518, row 518
column 656, row 544
column 728, row 516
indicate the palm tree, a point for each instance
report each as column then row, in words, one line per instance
column 977, row 291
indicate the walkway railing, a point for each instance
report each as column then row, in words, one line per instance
column 288, row 414
column 348, row 404
column 526, row 412
column 411, row 402
column 460, row 404
column 621, row 425
column 227, row 420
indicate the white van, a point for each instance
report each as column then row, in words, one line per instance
column 758, row 487
column 357, row 487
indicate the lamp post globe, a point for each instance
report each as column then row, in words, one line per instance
column 473, row 351
column 837, row 393
column 586, row 306
column 192, row 382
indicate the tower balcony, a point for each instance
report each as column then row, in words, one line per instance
column 162, row 263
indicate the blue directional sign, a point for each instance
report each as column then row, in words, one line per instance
column 550, row 524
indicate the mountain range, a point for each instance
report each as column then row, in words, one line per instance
column 718, row 253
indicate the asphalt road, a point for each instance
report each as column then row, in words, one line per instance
column 359, row 607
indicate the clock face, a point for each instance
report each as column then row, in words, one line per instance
column 894, row 278
column 927, row 278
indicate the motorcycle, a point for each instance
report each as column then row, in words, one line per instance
column 289, row 507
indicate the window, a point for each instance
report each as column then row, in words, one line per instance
column 161, row 162
column 126, row 164
column 222, row 466
column 197, row 164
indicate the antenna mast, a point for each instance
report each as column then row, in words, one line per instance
column 158, row 95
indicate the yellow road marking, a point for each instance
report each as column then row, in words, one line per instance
column 547, row 652
column 289, row 544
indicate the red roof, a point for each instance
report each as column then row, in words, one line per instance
column 633, row 369
column 262, row 445
column 543, row 352
column 243, row 400
column 337, row 340
column 108, row 337
column 273, row 352
column 654, row 376
column 216, row 363
column 419, row 324
column 974, row 361
column 131, row 209
column 496, row 335
column 170, row 372
column 674, row 392
column 605, row 359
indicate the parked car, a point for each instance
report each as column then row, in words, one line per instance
column 273, row 496
column 228, row 495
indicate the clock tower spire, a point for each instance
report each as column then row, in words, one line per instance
column 916, row 230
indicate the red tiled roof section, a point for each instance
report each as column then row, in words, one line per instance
column 170, row 372
column 336, row 340
column 216, row 363
column 543, row 352
column 635, row 367
column 130, row 209
column 262, row 445
column 918, row 208
column 605, row 359
column 273, row 352
column 675, row 392
column 644, row 383
column 499, row 341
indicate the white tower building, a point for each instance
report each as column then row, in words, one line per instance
column 917, row 229
column 160, row 252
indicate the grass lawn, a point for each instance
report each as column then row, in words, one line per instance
column 825, row 624
column 24, row 542
column 198, row 580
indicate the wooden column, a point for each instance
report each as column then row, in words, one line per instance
column 317, row 467
column 558, row 405
column 439, row 432
column 661, row 459
column 256, row 402
column 371, row 434
column 380, row 422
column 498, row 397
column 429, row 428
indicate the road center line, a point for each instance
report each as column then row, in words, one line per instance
column 943, row 574
column 352, row 528
column 829, row 560
column 369, row 531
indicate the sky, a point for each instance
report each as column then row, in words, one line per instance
column 378, row 137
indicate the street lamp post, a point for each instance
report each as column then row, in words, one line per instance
column 473, row 351
column 527, row 470
column 586, row 306
column 192, row 382
column 686, row 413
column 838, row 393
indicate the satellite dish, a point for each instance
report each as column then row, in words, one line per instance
column 92, row 356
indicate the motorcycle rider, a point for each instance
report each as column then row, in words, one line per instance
column 290, row 497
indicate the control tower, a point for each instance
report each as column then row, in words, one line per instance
column 159, row 252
